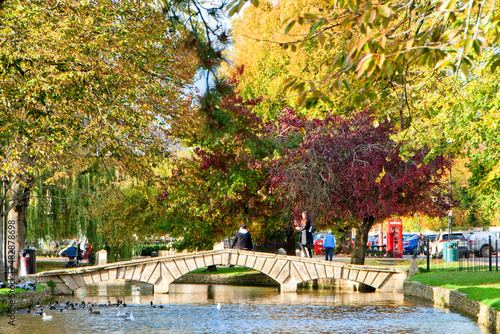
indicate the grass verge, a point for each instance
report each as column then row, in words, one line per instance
column 483, row 286
column 6, row 291
column 231, row 271
column 54, row 265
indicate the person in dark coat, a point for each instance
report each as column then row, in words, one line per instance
column 306, row 237
column 242, row 239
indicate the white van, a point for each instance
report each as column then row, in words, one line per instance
column 437, row 245
column 479, row 241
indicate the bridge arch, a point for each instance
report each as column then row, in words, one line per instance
column 288, row 271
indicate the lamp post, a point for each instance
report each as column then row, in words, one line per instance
column 450, row 213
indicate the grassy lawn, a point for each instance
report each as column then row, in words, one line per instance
column 54, row 265
column 483, row 286
column 49, row 265
column 234, row 271
column 6, row 291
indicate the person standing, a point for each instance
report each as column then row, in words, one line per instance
column 242, row 239
column 421, row 244
column 329, row 246
column 306, row 238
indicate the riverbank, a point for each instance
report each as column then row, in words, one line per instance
column 22, row 299
column 485, row 315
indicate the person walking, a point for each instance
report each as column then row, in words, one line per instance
column 421, row 244
column 242, row 239
column 329, row 246
column 306, row 238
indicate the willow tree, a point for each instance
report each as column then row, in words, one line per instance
column 86, row 81
column 62, row 209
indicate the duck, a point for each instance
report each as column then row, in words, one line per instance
column 94, row 312
column 130, row 317
column 37, row 311
column 151, row 303
column 46, row 317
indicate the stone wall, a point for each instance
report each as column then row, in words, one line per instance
column 24, row 299
column 485, row 315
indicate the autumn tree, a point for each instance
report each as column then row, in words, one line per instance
column 261, row 45
column 222, row 182
column 432, row 67
column 84, row 82
column 351, row 169
column 387, row 39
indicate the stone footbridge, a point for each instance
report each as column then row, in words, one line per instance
column 288, row 271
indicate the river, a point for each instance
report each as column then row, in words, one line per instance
column 193, row 309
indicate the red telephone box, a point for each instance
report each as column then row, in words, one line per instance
column 395, row 237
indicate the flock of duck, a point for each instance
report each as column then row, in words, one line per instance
column 39, row 310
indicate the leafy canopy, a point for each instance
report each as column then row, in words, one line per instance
column 84, row 79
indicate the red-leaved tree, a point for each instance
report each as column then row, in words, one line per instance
column 351, row 169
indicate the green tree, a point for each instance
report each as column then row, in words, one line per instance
column 82, row 81
column 387, row 39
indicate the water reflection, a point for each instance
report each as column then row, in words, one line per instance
column 192, row 309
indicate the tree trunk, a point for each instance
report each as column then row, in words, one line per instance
column 19, row 200
column 290, row 240
column 344, row 243
column 359, row 250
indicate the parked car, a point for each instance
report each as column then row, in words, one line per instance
column 430, row 237
column 407, row 236
column 411, row 245
column 479, row 243
column 371, row 239
column 437, row 245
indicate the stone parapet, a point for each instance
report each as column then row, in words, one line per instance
column 485, row 315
